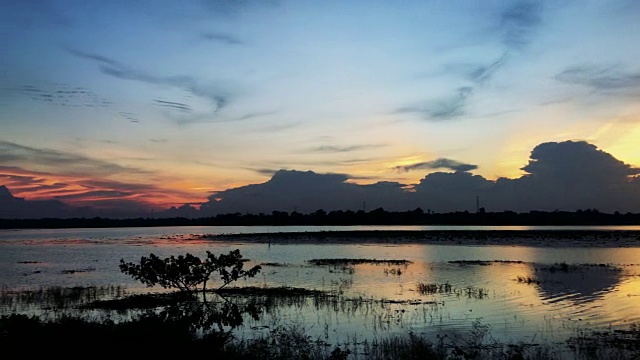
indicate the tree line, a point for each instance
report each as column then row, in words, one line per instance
column 321, row 217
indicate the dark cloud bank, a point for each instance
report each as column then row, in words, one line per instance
column 565, row 176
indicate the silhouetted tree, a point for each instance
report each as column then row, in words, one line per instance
column 187, row 272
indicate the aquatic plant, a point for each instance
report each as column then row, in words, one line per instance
column 346, row 261
column 528, row 280
column 434, row 288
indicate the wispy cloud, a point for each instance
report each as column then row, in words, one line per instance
column 444, row 109
column 341, row 149
column 264, row 171
column 173, row 105
column 223, row 38
column 118, row 70
column 48, row 160
column 602, row 78
column 483, row 73
column 449, row 108
column 63, row 95
column 441, row 163
column 254, row 115
column 232, row 8
column 129, row 116
column 518, row 21
column 96, row 191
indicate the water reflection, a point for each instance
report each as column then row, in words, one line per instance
column 578, row 284
column 372, row 298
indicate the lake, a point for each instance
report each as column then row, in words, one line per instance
column 528, row 293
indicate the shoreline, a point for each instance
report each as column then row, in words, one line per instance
column 533, row 238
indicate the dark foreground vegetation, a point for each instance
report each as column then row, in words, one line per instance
column 322, row 217
column 177, row 323
column 196, row 320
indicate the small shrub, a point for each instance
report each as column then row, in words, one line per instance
column 187, row 272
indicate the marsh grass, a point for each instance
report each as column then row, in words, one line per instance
column 470, row 292
column 275, row 264
column 56, row 297
column 528, row 280
column 204, row 328
column 73, row 271
column 434, row 288
column 565, row 268
column 347, row 261
column 484, row 262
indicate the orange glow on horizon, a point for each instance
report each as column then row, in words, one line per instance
column 97, row 193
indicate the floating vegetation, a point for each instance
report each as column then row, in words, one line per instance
column 620, row 344
column 528, row 280
column 473, row 292
column 269, row 291
column 73, row 271
column 564, row 267
column 344, row 269
column 471, row 262
column 485, row 262
column 392, row 271
column 433, row 288
column 470, row 292
column 56, row 297
column 276, row 264
column 139, row 301
column 344, row 261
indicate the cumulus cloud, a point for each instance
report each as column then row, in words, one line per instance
column 572, row 161
column 568, row 175
column 18, row 208
column 303, row 191
column 440, row 163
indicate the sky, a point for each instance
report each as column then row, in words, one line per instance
column 151, row 104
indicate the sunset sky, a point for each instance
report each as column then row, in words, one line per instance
column 114, row 103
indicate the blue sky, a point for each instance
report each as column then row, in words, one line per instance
column 163, row 102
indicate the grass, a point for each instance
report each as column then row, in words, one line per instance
column 484, row 262
column 56, row 297
column 471, row 292
column 346, row 261
column 275, row 264
column 293, row 342
column 528, row 280
column 433, row 288
column 159, row 321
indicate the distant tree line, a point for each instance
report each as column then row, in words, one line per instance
column 321, row 217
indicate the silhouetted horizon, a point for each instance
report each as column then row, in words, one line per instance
column 587, row 217
column 559, row 176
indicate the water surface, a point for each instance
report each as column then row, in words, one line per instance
column 568, row 289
